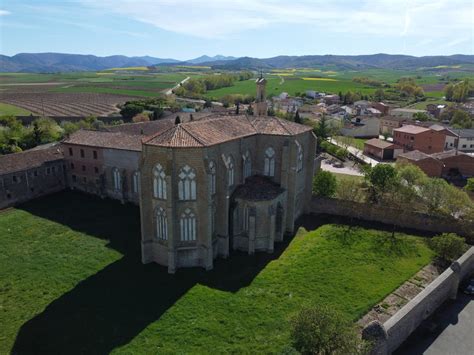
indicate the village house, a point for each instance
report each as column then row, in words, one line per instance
column 388, row 123
column 381, row 150
column 383, row 108
column 407, row 113
column 444, row 164
column 31, row 174
column 361, row 127
column 424, row 139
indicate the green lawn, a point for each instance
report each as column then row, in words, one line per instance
column 6, row 109
column 71, row 281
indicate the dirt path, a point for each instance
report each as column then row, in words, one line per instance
column 170, row 91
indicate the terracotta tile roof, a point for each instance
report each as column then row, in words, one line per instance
column 379, row 143
column 414, row 155
column 411, row 129
column 218, row 129
column 28, row 159
column 258, row 188
column 105, row 139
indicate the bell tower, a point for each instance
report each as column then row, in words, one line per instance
column 261, row 101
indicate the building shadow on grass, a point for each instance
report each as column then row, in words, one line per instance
column 110, row 308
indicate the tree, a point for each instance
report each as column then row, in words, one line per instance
column 323, row 330
column 131, row 110
column 410, row 174
column 297, row 117
column 324, row 184
column 433, row 193
column 322, row 129
column 469, row 185
column 250, row 110
column 207, row 104
column 379, row 94
column 380, row 178
column 349, row 189
column 448, row 246
column 177, row 120
column 237, row 108
column 421, row 116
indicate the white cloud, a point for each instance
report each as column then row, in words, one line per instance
column 220, row 19
column 4, row 12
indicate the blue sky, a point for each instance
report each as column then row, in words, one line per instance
column 185, row 29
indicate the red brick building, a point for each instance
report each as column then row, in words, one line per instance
column 444, row 164
column 424, row 139
column 382, row 150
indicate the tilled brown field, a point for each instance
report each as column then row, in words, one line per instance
column 66, row 104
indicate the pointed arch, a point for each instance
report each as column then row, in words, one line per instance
column 247, row 165
column 212, row 177
column 117, row 179
column 161, row 222
column 269, row 163
column 187, row 224
column 230, row 171
column 159, row 182
column 187, row 183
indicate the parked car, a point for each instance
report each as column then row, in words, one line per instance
column 469, row 289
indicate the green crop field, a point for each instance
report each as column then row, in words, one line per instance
column 6, row 109
column 71, row 280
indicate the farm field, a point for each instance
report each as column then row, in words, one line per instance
column 63, row 104
column 76, row 94
column 71, row 278
column 6, row 109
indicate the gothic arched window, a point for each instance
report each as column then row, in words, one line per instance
column 212, row 177
column 247, row 165
column 161, row 224
column 187, row 183
column 159, row 182
column 117, row 179
column 269, row 166
column 136, row 182
column 299, row 157
column 187, row 225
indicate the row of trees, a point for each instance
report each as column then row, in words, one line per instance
column 153, row 107
column 408, row 88
column 457, row 118
column 403, row 187
column 196, row 88
column 15, row 137
column 368, row 81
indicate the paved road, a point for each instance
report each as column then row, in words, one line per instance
column 357, row 152
column 453, row 335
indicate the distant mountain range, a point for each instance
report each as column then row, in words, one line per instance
column 59, row 62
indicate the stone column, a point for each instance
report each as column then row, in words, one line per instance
column 171, row 211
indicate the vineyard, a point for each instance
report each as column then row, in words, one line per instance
column 66, row 104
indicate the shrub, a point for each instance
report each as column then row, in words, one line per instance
column 324, row 184
column 448, row 246
column 470, row 185
column 323, row 330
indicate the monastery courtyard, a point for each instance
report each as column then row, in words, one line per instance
column 71, row 281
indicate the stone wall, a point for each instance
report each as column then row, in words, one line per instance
column 390, row 216
column 389, row 336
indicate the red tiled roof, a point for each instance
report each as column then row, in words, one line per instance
column 28, row 159
column 105, row 139
column 411, row 129
column 218, row 129
column 379, row 143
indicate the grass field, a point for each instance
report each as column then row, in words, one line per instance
column 6, row 109
column 71, row 281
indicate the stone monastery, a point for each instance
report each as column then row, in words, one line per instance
column 204, row 186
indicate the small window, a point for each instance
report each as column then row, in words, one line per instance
column 14, row 178
column 97, row 182
column 72, row 166
column 74, row 178
column 464, row 145
column 117, row 178
column 82, row 153
column 159, row 182
column 83, row 168
column 84, row 180
column 35, row 173
column 187, row 184
column 187, row 225
column 95, row 154
column 212, row 172
column 230, row 172
column 161, row 224
column 9, row 196
column 269, row 163
column 48, row 171
column 70, row 152
column 53, row 170
column 96, row 170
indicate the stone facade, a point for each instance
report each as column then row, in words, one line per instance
column 216, row 214
column 30, row 174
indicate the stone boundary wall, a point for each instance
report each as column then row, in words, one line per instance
column 389, row 336
column 390, row 216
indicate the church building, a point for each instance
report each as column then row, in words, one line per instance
column 221, row 183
